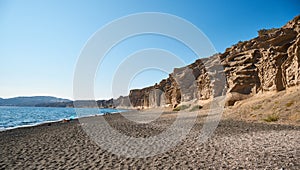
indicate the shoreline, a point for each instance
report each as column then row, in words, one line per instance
column 59, row 120
column 225, row 116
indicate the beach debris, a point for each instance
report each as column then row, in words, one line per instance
column 65, row 120
column 106, row 113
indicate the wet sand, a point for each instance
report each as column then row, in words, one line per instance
column 234, row 145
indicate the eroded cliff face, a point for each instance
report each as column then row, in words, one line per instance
column 269, row 62
column 193, row 82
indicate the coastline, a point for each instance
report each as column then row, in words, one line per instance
column 167, row 110
column 58, row 120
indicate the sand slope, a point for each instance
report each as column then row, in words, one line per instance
column 284, row 104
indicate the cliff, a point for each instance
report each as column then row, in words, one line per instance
column 269, row 62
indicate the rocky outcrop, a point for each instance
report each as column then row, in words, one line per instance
column 193, row 82
column 122, row 101
column 269, row 62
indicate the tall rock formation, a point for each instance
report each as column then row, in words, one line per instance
column 269, row 62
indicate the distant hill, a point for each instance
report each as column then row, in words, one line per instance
column 31, row 101
column 56, row 104
column 80, row 103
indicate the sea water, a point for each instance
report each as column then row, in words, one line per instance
column 13, row 117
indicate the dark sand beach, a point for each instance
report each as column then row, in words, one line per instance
column 234, row 145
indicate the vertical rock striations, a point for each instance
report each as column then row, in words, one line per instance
column 269, row 62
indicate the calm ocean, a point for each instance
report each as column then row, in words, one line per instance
column 12, row 117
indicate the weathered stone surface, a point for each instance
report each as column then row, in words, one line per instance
column 122, row 102
column 193, row 82
column 269, row 62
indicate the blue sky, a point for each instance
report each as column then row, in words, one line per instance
column 40, row 41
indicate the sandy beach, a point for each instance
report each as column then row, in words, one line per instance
column 234, row 145
column 150, row 85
